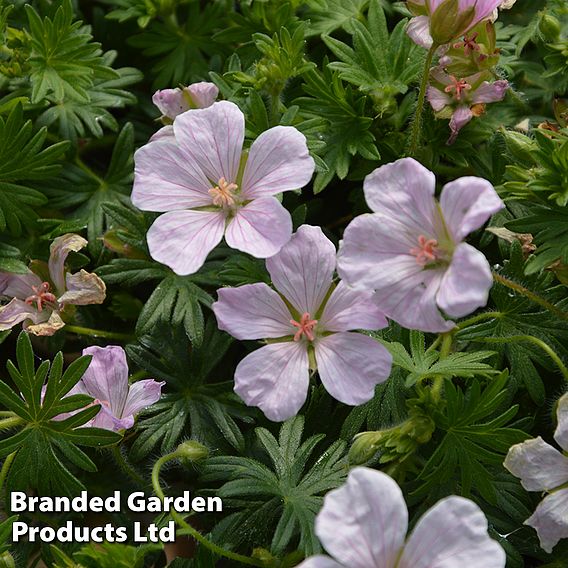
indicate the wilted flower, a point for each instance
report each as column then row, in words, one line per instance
column 106, row 380
column 542, row 467
column 363, row 524
column 410, row 250
column 39, row 301
column 462, row 99
column 441, row 21
column 307, row 323
column 209, row 187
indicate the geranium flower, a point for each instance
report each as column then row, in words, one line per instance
column 462, row 99
column 39, row 301
column 106, row 380
column 307, row 323
column 363, row 524
column 410, row 250
column 209, row 187
column 541, row 467
column 441, row 21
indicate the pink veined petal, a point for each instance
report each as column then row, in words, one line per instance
column 18, row 285
column 404, row 190
column 164, row 133
column 467, row 203
column 275, row 378
column 452, row 534
column 183, row 239
column 465, row 285
column 490, row 92
column 253, row 311
column 418, row 29
column 349, row 309
column 106, row 420
column 350, row 365
column 438, row 99
column 260, row 228
column 202, row 94
column 462, row 115
column 17, row 311
column 483, row 8
column 58, row 252
column 166, row 179
column 141, row 394
column 83, row 288
column 106, row 378
column 213, row 138
column 363, row 523
column 170, row 102
column 320, row 562
column 278, row 161
column 538, row 465
column 303, row 270
column 561, row 433
column 550, row 520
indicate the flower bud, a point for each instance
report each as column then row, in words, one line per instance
column 365, row 446
column 549, row 27
column 448, row 22
column 192, row 451
column 521, row 147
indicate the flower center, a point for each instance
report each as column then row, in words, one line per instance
column 223, row 194
column 305, row 327
column 426, row 251
column 459, row 86
column 469, row 44
column 42, row 296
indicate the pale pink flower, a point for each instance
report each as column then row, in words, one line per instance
column 38, row 302
column 363, row 524
column 307, row 323
column 411, row 249
column 209, row 187
column 542, row 468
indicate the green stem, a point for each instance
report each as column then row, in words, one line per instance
column 8, row 423
column 544, row 346
column 438, row 381
column 476, row 319
column 417, row 123
column 187, row 528
column 530, row 295
column 126, row 467
column 5, row 469
column 89, row 171
column 98, row 333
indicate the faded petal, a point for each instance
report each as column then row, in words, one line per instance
column 550, row 520
column 452, row 534
column 170, row 102
column 166, row 179
column 58, row 252
column 253, row 311
column 320, row 562
column 418, row 29
column 349, row 309
column 490, row 92
column 303, row 270
column 141, row 394
column 278, row 161
column 213, row 139
column 467, row 203
column 363, row 523
column 45, row 328
column 183, row 239
column 18, row 285
column 462, row 115
column 275, row 378
column 538, row 465
column 83, row 288
column 438, row 99
column 561, row 434
column 465, row 285
column 350, row 365
column 202, row 94
column 17, row 311
column 260, row 228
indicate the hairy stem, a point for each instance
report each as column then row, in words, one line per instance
column 476, row 319
column 438, row 384
column 99, row 333
column 5, row 469
column 126, row 467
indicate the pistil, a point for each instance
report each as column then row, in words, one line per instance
column 41, row 297
column 458, row 86
column 223, row 194
column 426, row 251
column 305, row 327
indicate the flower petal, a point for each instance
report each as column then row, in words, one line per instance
column 261, row 228
column 183, row 239
column 320, row 562
column 202, row 94
column 303, row 270
column 170, row 102
column 167, row 179
column 550, row 520
column 467, row 203
column 106, row 420
column 141, row 394
column 17, row 311
column 363, row 523
column 275, row 378
column 164, row 133
column 350, row 365
column 106, row 377
column 465, row 285
column 83, row 288
column 349, row 309
column 561, row 433
column 58, row 252
column 490, row 92
column 418, row 29
column 213, row 139
column 278, row 161
column 438, row 99
column 538, row 465
column 45, row 328
column 18, row 285
column 460, row 117
column 452, row 534
column 253, row 311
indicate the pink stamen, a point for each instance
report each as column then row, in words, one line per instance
column 459, row 86
column 305, row 327
column 469, row 44
column 223, row 193
column 426, row 251
column 42, row 296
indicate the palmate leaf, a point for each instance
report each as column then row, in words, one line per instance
column 281, row 494
column 326, row 16
column 42, row 446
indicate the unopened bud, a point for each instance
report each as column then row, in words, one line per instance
column 520, row 146
column 549, row 27
column 192, row 450
column 364, row 447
